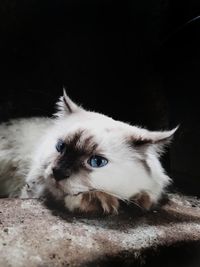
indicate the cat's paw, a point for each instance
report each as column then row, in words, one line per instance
column 92, row 202
column 143, row 200
column 26, row 192
column 32, row 190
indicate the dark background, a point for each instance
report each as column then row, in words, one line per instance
column 137, row 61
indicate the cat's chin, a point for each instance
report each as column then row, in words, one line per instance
column 91, row 201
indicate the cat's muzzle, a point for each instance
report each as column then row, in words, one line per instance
column 59, row 174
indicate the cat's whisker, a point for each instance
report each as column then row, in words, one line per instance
column 135, row 203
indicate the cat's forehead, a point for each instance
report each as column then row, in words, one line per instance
column 100, row 123
column 91, row 127
column 81, row 141
column 89, row 141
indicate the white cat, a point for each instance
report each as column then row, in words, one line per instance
column 85, row 159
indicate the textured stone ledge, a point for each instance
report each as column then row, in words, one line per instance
column 33, row 235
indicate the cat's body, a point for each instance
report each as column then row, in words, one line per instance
column 83, row 158
column 18, row 140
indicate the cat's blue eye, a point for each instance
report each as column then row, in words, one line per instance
column 60, row 146
column 97, row 161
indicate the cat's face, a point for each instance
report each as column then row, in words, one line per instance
column 90, row 152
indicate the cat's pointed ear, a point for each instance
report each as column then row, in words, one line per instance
column 65, row 106
column 157, row 138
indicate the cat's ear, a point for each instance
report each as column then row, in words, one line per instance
column 159, row 139
column 65, row 106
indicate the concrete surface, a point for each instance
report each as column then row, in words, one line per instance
column 32, row 234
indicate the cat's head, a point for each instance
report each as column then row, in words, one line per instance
column 90, row 152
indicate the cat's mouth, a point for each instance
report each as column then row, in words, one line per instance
column 73, row 195
column 69, row 190
column 79, row 193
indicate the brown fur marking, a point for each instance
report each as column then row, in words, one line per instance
column 93, row 201
column 143, row 200
column 67, row 104
column 78, row 148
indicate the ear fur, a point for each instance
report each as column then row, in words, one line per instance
column 157, row 138
column 65, row 106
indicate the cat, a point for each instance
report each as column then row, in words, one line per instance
column 85, row 159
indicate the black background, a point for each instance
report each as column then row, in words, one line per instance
column 137, row 61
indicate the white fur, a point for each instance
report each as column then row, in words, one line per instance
column 29, row 145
